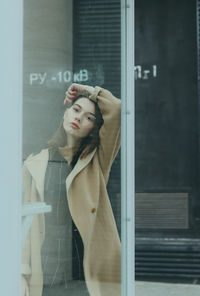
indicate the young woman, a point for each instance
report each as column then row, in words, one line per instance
column 85, row 145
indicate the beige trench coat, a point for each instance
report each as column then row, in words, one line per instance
column 89, row 207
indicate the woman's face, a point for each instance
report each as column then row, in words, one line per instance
column 79, row 118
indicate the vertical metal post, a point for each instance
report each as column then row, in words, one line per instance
column 11, row 13
column 127, row 150
column 198, row 83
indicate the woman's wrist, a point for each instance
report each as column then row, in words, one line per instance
column 89, row 89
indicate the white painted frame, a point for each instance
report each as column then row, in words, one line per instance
column 127, row 150
column 11, row 28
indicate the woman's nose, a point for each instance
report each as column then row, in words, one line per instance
column 78, row 117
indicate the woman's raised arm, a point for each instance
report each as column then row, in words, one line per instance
column 109, row 133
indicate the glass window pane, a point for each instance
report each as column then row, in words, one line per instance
column 71, row 172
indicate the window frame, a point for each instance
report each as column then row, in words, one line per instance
column 11, row 144
column 127, row 151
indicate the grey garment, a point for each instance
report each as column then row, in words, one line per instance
column 74, row 288
column 56, row 252
column 62, row 251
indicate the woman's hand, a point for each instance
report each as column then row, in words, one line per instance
column 73, row 92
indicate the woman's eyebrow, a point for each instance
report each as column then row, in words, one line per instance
column 91, row 114
column 78, row 105
column 82, row 108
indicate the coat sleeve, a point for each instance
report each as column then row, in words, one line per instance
column 24, row 287
column 109, row 133
column 31, row 261
column 25, row 267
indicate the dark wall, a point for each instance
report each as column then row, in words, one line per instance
column 166, row 97
column 97, row 43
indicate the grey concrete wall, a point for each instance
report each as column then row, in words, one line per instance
column 47, row 68
column 47, row 74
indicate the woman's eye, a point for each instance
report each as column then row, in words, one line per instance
column 90, row 118
column 75, row 109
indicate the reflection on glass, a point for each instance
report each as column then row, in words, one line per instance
column 74, row 247
column 71, row 176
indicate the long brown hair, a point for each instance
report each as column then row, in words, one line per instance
column 89, row 143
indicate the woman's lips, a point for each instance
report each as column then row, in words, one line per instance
column 74, row 125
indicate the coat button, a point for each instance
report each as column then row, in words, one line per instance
column 93, row 210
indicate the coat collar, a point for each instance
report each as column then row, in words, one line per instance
column 81, row 163
column 37, row 166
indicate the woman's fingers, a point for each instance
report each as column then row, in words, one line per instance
column 79, row 88
column 69, row 97
column 67, row 101
column 73, row 91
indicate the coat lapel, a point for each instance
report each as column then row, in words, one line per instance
column 37, row 167
column 81, row 163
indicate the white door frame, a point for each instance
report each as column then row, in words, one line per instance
column 11, row 28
